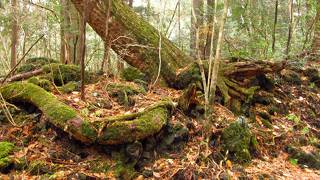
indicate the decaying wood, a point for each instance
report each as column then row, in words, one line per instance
column 112, row 130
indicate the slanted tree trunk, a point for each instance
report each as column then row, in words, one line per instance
column 136, row 41
column 14, row 33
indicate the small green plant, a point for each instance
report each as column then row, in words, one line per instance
column 294, row 118
column 293, row 161
column 312, row 85
column 305, row 130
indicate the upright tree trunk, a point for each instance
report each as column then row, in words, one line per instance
column 105, row 61
column 14, row 33
column 69, row 32
column 210, row 19
column 197, row 21
column 290, row 7
column 316, row 39
column 82, row 46
column 275, row 26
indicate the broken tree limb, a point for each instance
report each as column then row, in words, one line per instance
column 26, row 75
column 64, row 117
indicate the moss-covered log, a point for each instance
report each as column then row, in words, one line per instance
column 104, row 132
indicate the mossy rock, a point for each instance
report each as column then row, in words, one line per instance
column 131, row 73
column 239, row 141
column 6, row 148
column 35, row 63
column 44, row 83
column 123, row 92
column 63, row 73
column 313, row 74
column 69, row 87
column 312, row 159
column 291, row 76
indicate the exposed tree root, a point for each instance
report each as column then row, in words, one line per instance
column 112, row 130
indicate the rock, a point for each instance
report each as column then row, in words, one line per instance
column 239, row 141
column 123, row 93
column 311, row 160
column 312, row 74
column 174, row 135
column 291, row 76
column 134, row 150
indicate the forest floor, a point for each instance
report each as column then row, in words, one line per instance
column 42, row 151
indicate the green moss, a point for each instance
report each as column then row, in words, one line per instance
column 56, row 111
column 87, row 130
column 63, row 73
column 44, row 83
column 123, row 92
column 35, row 63
column 6, row 148
column 38, row 168
column 237, row 139
column 139, row 128
column 128, row 89
column 69, row 87
column 131, row 73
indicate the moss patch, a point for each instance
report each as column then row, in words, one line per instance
column 238, row 140
column 63, row 73
column 69, row 87
column 6, row 148
column 35, row 63
column 131, row 73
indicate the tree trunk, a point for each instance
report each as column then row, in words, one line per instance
column 197, row 21
column 274, row 27
column 316, row 39
column 14, row 33
column 136, row 41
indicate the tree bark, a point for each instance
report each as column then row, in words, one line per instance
column 316, row 39
column 14, row 33
column 135, row 40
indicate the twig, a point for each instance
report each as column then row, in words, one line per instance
column 21, row 59
column 7, row 112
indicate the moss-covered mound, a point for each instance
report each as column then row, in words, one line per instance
column 69, row 87
column 6, row 148
column 63, row 73
column 112, row 130
column 239, row 141
column 44, row 83
column 131, row 73
column 35, row 63
column 123, row 92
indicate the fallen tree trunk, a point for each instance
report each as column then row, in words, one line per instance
column 22, row 76
column 112, row 130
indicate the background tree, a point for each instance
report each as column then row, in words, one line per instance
column 14, row 33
